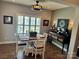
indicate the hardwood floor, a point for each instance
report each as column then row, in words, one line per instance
column 7, row 51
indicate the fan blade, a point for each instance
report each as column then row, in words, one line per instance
column 40, row 0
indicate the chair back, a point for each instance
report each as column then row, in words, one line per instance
column 40, row 43
column 45, row 35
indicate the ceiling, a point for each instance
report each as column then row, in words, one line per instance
column 50, row 5
column 76, row 2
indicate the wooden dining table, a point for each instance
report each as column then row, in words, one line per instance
column 26, row 38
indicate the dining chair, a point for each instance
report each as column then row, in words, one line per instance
column 39, row 46
column 28, row 48
column 45, row 35
column 17, row 40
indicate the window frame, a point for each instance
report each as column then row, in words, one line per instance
column 29, row 24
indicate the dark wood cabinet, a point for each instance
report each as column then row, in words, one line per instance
column 59, row 39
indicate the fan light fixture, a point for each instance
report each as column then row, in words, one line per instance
column 37, row 6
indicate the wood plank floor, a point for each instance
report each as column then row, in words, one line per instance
column 7, row 51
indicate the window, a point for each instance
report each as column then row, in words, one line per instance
column 27, row 24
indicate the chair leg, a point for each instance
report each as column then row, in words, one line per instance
column 35, row 55
column 32, row 54
column 43, row 55
column 27, row 54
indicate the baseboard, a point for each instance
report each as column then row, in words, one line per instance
column 7, row 42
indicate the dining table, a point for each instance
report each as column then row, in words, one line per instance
column 24, row 38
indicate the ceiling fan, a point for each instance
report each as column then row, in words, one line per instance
column 37, row 6
column 40, row 0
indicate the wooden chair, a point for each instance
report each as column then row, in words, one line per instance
column 45, row 35
column 39, row 46
column 28, row 48
column 17, row 39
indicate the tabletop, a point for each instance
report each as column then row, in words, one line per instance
column 24, row 37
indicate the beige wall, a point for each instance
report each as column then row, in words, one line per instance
column 7, row 30
column 65, row 13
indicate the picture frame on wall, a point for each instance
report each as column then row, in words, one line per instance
column 63, row 23
column 8, row 20
column 45, row 22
